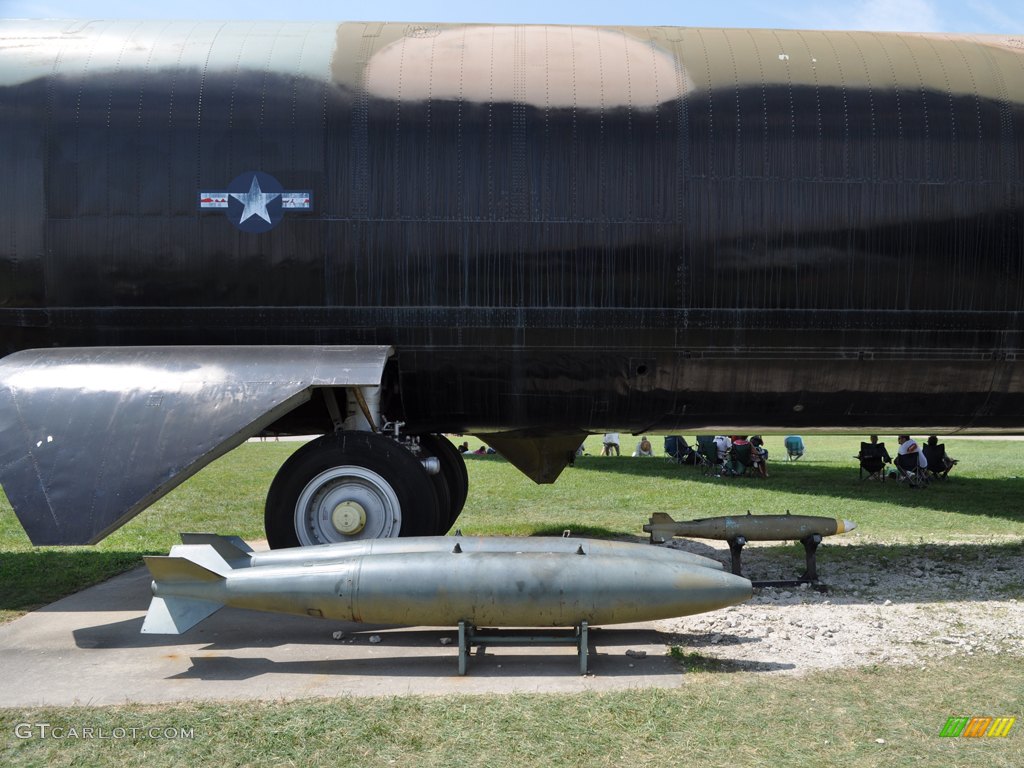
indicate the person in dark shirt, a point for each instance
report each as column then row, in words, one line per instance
column 879, row 449
column 939, row 461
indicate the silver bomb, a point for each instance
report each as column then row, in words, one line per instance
column 435, row 588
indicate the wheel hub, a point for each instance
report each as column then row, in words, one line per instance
column 349, row 518
column 345, row 503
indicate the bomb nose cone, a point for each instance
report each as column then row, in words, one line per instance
column 708, row 590
column 848, row 525
column 740, row 589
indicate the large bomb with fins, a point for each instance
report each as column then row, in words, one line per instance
column 240, row 555
column 522, row 587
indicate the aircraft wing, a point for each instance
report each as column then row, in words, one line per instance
column 89, row 437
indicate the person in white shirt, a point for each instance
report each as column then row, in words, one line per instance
column 723, row 444
column 907, row 446
column 610, row 443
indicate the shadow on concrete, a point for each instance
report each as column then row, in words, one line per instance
column 227, row 630
column 607, row 658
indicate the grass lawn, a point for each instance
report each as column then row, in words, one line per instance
column 874, row 716
column 869, row 717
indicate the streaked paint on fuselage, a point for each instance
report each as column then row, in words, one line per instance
column 556, row 228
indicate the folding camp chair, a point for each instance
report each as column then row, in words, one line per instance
column 677, row 450
column 909, row 470
column 794, row 447
column 707, row 455
column 738, row 460
column 939, row 463
column 873, row 458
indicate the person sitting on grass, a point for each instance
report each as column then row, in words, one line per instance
column 643, row 448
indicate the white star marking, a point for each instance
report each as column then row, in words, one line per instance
column 255, row 201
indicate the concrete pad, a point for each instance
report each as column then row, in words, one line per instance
column 87, row 649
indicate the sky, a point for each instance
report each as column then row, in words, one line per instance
column 978, row 16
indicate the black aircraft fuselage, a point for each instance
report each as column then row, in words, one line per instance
column 556, row 229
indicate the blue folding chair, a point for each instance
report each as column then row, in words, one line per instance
column 794, row 447
column 677, row 450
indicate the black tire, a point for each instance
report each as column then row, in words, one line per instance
column 341, row 477
column 444, row 502
column 453, row 467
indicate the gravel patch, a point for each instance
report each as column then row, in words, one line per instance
column 897, row 604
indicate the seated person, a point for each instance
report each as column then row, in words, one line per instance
column 742, row 455
column 643, row 448
column 760, row 455
column 707, row 450
column 758, row 442
column 910, row 455
column 875, row 448
column 873, row 457
column 939, row 461
column 722, row 444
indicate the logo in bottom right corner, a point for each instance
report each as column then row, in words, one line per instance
column 977, row 727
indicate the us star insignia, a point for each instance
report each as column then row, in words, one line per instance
column 255, row 201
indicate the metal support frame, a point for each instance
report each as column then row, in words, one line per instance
column 470, row 636
column 339, row 419
column 810, row 575
column 736, row 550
column 358, row 392
column 810, row 550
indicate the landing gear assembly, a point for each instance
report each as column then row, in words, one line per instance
column 453, row 468
column 362, row 485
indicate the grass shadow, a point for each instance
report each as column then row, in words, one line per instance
column 36, row 577
column 695, row 661
column 581, row 531
column 959, row 493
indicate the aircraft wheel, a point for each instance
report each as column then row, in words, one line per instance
column 453, row 467
column 444, row 503
column 348, row 486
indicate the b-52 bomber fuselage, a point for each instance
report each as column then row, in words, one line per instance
column 386, row 232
